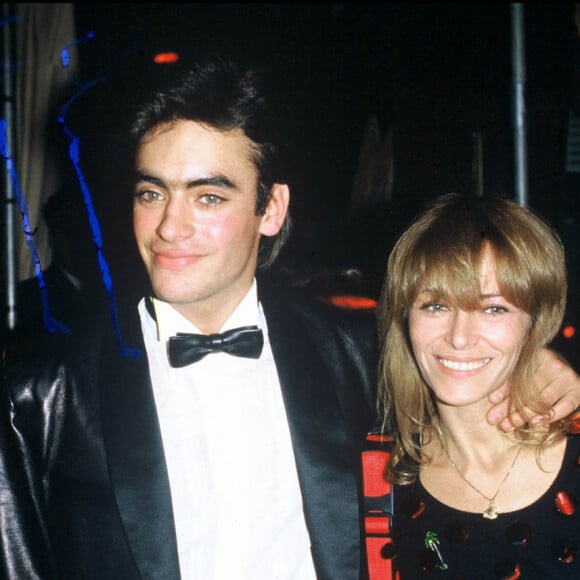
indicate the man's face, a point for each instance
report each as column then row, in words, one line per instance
column 194, row 218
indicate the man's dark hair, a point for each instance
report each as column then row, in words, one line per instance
column 218, row 93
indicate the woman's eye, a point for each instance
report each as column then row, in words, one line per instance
column 434, row 307
column 495, row 310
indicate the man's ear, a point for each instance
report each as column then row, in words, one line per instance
column 276, row 210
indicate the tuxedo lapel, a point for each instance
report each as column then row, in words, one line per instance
column 321, row 443
column 137, row 464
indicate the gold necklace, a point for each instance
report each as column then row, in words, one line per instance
column 491, row 512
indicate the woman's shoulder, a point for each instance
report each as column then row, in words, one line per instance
column 571, row 461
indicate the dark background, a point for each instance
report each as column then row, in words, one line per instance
column 433, row 73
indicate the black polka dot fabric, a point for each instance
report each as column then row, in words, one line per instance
column 539, row 542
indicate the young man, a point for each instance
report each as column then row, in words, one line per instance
column 187, row 462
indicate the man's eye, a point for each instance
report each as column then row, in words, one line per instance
column 148, row 195
column 211, row 199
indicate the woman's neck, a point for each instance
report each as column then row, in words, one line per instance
column 467, row 437
column 477, row 468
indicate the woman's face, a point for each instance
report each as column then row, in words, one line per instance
column 465, row 355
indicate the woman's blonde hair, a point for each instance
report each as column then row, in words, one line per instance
column 441, row 252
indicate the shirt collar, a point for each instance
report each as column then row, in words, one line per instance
column 169, row 322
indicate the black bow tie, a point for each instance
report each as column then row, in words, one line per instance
column 185, row 349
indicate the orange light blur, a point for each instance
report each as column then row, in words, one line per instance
column 569, row 331
column 353, row 302
column 165, row 57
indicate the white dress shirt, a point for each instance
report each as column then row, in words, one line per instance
column 236, row 500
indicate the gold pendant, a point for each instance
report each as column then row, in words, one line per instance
column 491, row 512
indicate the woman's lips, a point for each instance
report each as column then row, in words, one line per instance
column 463, row 365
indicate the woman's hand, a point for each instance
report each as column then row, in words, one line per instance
column 559, row 385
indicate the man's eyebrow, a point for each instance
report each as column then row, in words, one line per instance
column 219, row 180
column 142, row 177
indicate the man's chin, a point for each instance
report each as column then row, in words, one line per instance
column 174, row 299
column 174, row 295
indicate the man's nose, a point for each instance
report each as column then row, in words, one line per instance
column 177, row 221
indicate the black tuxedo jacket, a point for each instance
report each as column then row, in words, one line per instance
column 84, row 490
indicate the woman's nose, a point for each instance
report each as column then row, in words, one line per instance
column 462, row 332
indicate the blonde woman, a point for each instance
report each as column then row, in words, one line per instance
column 474, row 289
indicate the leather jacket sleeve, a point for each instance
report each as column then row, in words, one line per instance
column 24, row 545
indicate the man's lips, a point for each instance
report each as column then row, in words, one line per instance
column 174, row 260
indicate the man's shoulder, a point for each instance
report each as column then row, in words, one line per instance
column 335, row 303
column 321, row 313
column 339, row 341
